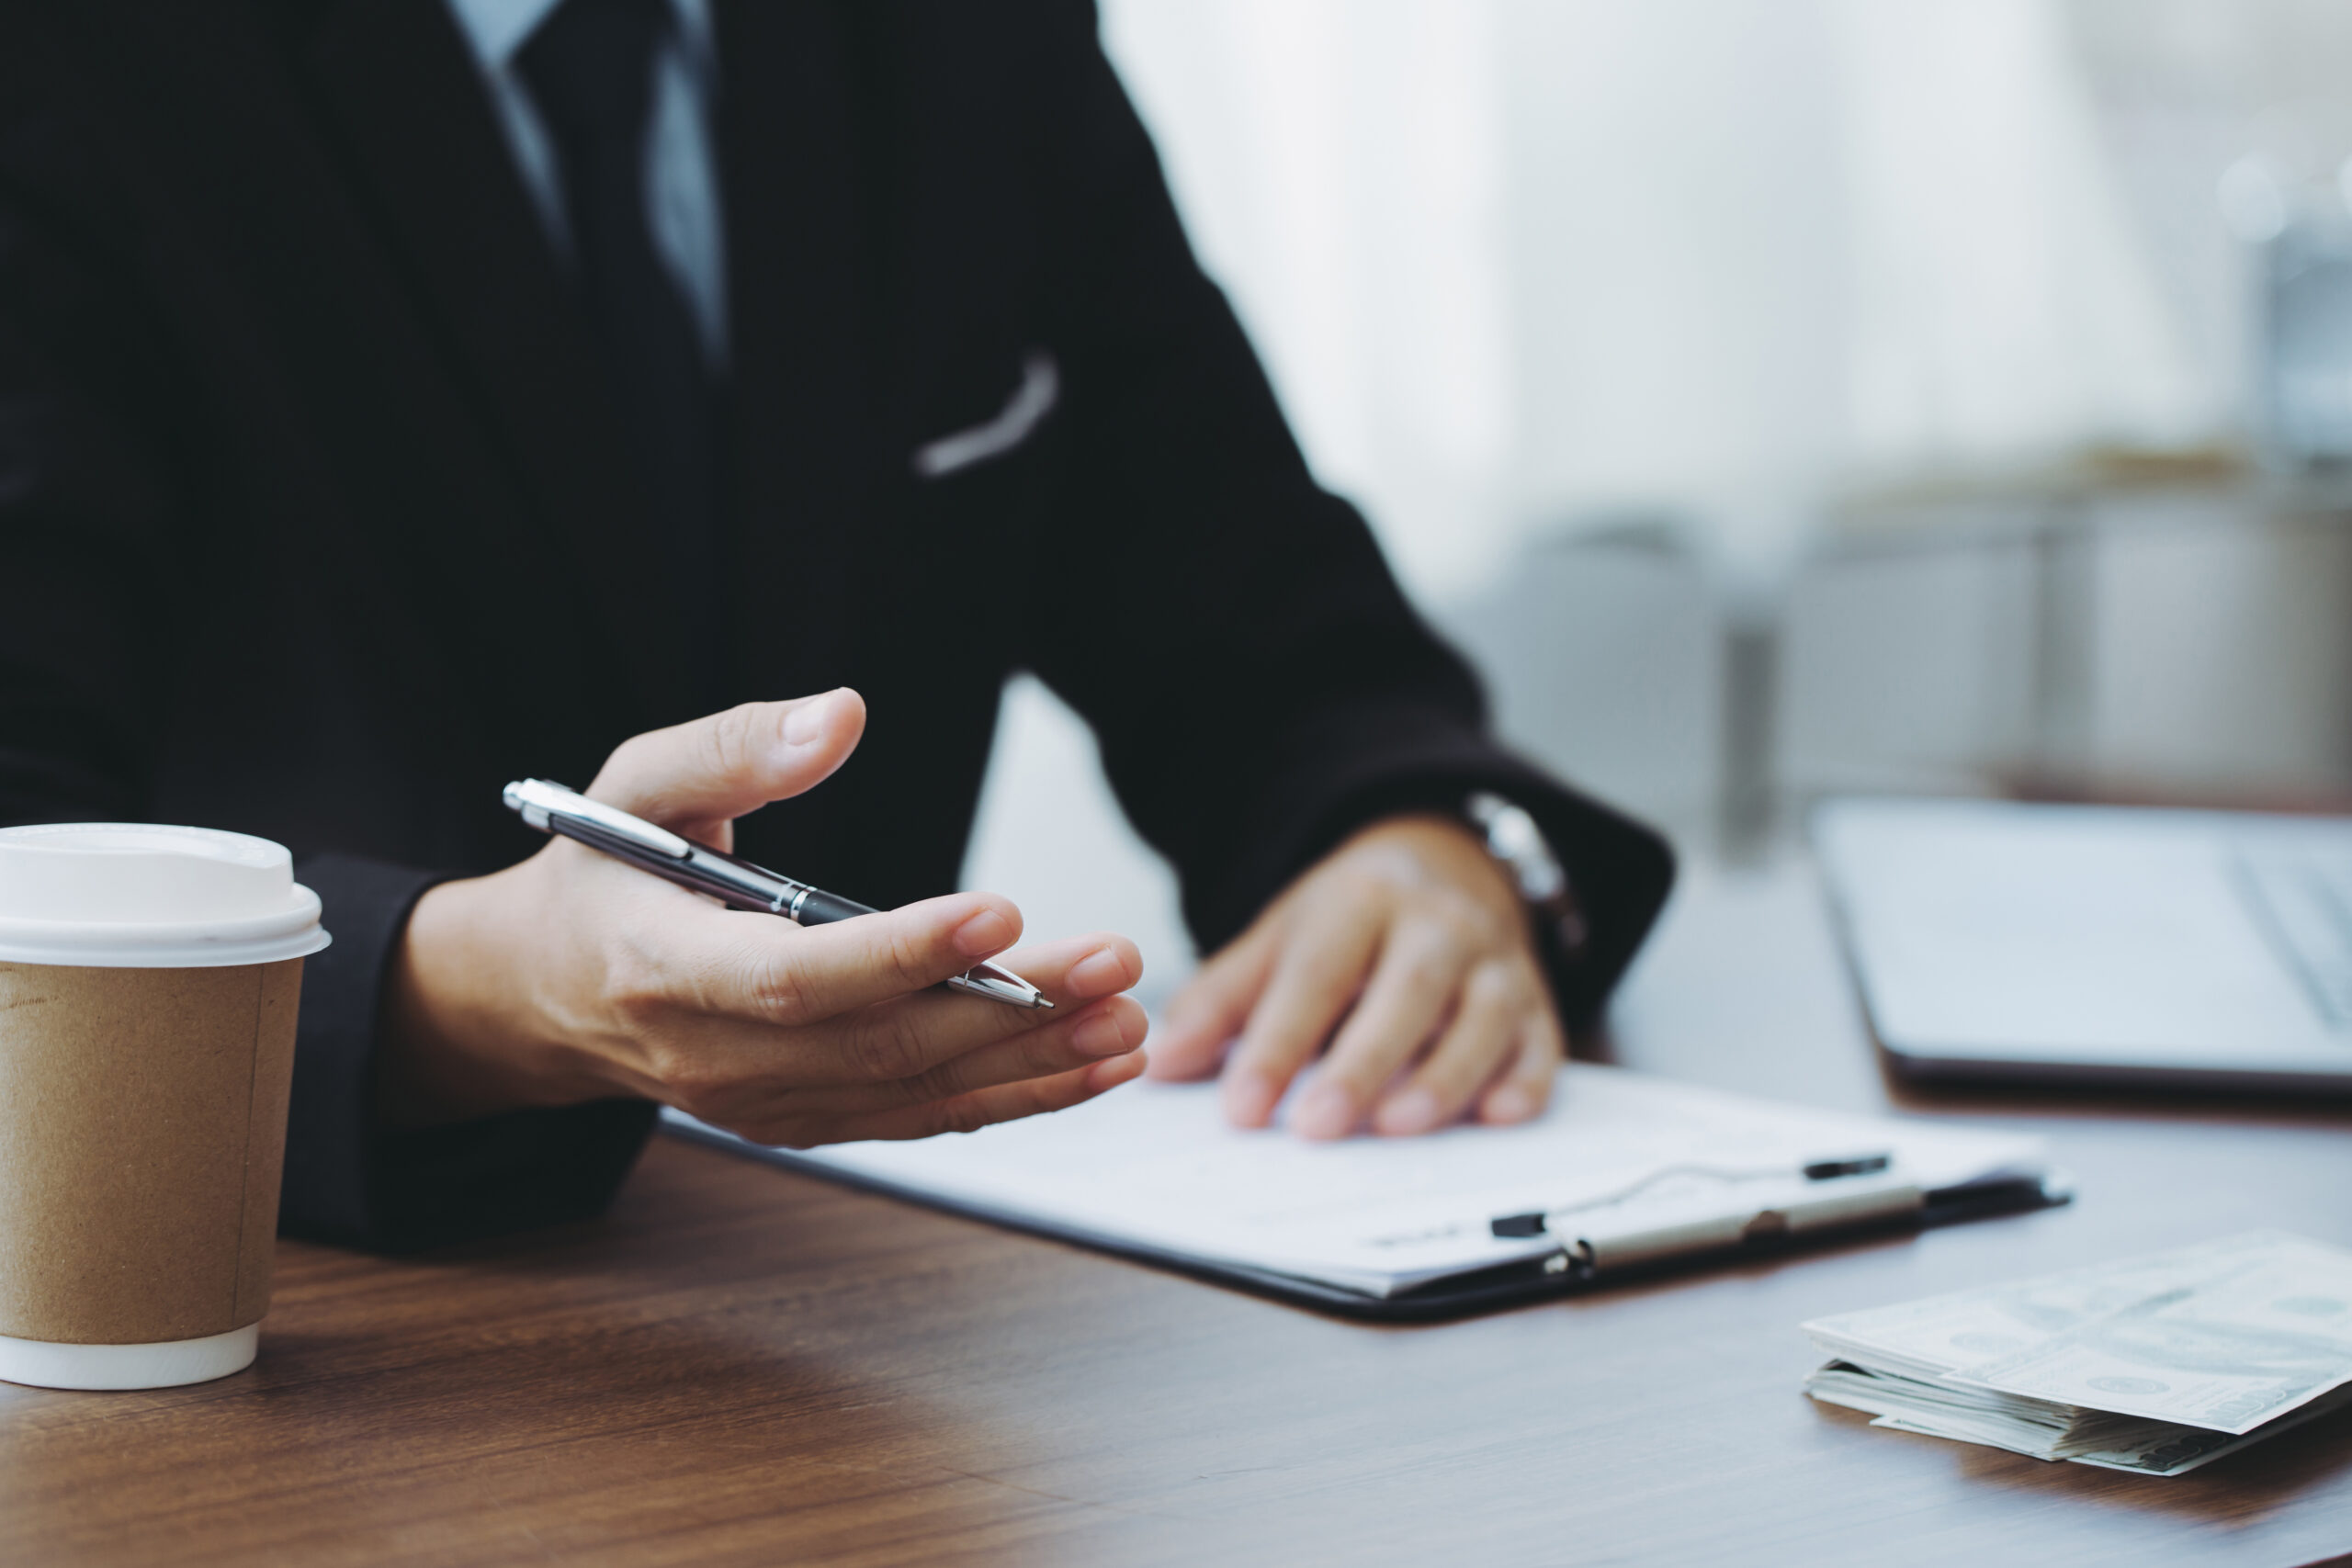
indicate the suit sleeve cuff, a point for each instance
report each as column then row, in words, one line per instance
column 349, row 1180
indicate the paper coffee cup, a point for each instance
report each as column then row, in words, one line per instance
column 148, row 978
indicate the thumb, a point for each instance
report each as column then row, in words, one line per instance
column 696, row 777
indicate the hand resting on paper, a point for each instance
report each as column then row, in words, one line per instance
column 1404, row 959
column 572, row 977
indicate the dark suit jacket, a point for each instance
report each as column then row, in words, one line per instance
column 315, row 521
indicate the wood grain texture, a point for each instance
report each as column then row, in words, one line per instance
column 741, row 1366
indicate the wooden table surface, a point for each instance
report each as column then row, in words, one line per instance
column 744, row 1365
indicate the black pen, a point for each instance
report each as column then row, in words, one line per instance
column 738, row 884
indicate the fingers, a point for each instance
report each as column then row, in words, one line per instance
column 1108, row 1029
column 1213, row 1005
column 983, row 1107
column 740, row 1073
column 916, row 1034
column 1497, row 1002
column 696, row 777
column 718, row 1056
column 1526, row 1087
column 1107, row 963
column 1411, row 989
column 775, row 973
column 863, row 1024
column 1070, row 974
column 1315, row 979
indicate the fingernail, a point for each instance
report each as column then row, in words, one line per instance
column 1327, row 1110
column 1112, row 1073
column 1415, row 1111
column 807, row 722
column 1509, row 1103
column 1249, row 1098
column 1098, row 973
column 1100, row 1035
column 984, row 933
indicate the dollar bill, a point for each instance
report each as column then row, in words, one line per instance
column 2240, row 1344
column 2145, row 1448
column 2154, row 1364
column 1943, row 1334
column 2186, row 1447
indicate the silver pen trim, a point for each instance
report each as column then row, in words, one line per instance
column 537, row 799
column 1001, row 985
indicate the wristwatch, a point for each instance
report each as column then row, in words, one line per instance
column 1519, row 846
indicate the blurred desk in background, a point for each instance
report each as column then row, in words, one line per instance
column 745, row 1366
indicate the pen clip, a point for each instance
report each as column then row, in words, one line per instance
column 539, row 800
column 1538, row 1222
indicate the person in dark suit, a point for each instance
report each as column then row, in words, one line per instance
column 401, row 396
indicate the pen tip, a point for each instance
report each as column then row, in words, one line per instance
column 1041, row 1002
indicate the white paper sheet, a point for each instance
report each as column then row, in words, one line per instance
column 1155, row 1166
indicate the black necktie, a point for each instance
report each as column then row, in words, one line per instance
column 590, row 69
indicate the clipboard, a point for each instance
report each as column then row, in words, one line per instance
column 1631, row 1177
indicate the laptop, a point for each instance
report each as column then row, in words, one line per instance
column 1997, row 940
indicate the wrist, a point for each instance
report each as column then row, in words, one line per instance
column 1446, row 849
column 449, row 1047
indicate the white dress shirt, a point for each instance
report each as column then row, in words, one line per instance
column 681, row 177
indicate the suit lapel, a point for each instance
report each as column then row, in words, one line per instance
column 396, row 80
column 796, row 156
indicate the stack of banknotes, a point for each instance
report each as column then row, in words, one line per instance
column 2155, row 1364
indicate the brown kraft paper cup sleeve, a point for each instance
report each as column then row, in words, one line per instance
column 143, row 1131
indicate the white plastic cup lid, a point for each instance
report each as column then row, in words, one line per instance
column 135, row 896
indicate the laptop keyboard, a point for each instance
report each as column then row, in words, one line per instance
column 2303, row 904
